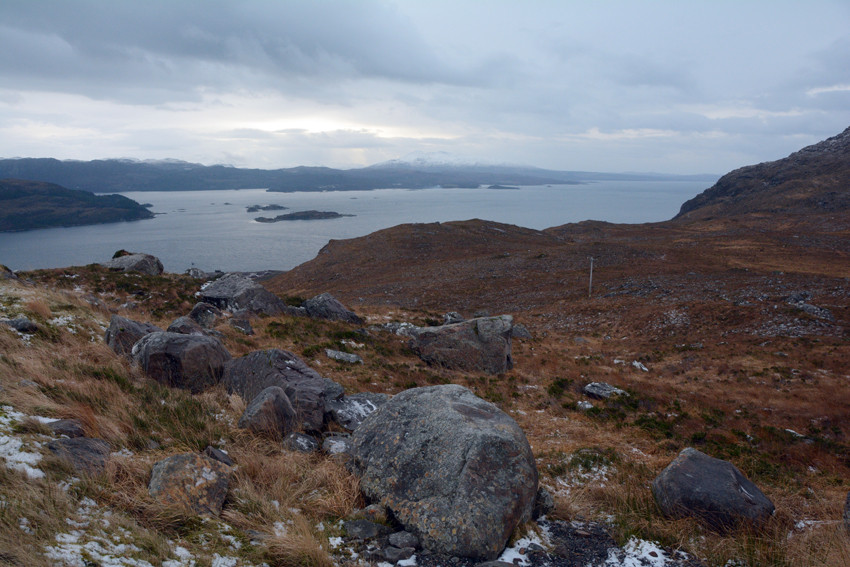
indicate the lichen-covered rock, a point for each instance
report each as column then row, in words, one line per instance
column 85, row 454
column 350, row 411
column 235, row 292
column 191, row 362
column 21, row 324
column 192, row 482
column 123, row 333
column 712, row 490
column 455, row 470
column 482, row 344
column 205, row 314
column 67, row 427
column 325, row 306
column 340, row 356
column 185, row 326
column 269, row 413
column 602, row 391
column 144, row 263
column 301, row 442
column 307, row 390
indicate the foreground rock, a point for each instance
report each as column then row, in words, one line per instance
column 144, row 263
column 192, row 482
column 711, row 490
column 235, row 292
column 307, row 390
column 269, row 413
column 205, row 314
column 482, row 344
column 324, row 306
column 350, row 411
column 86, row 455
column 123, row 333
column 455, row 470
column 191, row 362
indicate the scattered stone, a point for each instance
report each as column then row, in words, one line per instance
column 482, row 344
column 68, row 427
column 22, row 325
column 394, row 554
column 218, row 455
column 520, row 332
column 144, row 263
column 580, row 341
column 26, row 383
column 350, row 411
column 192, row 482
column 364, row 529
column 197, row 274
column 337, row 444
column 639, row 366
column 269, row 413
column 87, row 455
column 602, row 391
column 710, row 489
column 343, row 356
column 301, row 442
column 459, row 473
column 242, row 324
column 191, row 362
column 584, row 405
column 205, row 314
column 234, row 291
column 543, row 503
column 306, row 389
column 453, row 317
column 123, row 333
column 185, row 326
column 402, row 329
column 324, row 306
column 404, row 539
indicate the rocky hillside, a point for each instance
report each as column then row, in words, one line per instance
column 25, row 205
column 812, row 181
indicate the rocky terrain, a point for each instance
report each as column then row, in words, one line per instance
column 452, row 394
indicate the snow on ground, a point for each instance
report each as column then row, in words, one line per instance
column 18, row 454
column 641, row 553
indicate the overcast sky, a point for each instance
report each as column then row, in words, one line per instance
column 679, row 86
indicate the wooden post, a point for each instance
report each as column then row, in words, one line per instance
column 590, row 283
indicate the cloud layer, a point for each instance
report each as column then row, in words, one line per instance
column 680, row 87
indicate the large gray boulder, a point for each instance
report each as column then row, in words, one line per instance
column 455, row 470
column 144, row 263
column 482, row 344
column 235, row 292
column 325, row 306
column 87, row 455
column 712, row 490
column 269, row 413
column 205, row 314
column 192, row 482
column 308, row 390
column 185, row 326
column 123, row 333
column 191, row 362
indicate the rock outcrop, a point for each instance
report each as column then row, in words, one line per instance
column 269, row 413
column 191, row 482
column 191, row 362
column 482, row 344
column 710, row 489
column 454, row 469
column 235, row 292
column 324, row 306
column 205, row 314
column 136, row 262
column 123, row 333
column 86, row 455
column 185, row 326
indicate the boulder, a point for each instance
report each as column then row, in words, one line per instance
column 123, row 333
column 218, row 455
column 234, row 292
column 191, row 362
column 185, row 326
column 144, row 263
column 350, row 411
column 192, row 482
column 602, row 391
column 337, row 444
column 520, row 332
column 21, row 324
column 404, row 539
column 306, row 389
column 453, row 317
column 711, row 490
column 85, row 454
column 455, row 470
column 544, row 503
column 67, row 427
column 340, row 356
column 242, row 324
column 482, row 344
column 205, row 314
column 300, row 442
column 269, row 413
column 324, row 306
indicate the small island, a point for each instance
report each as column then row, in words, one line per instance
column 258, row 208
column 304, row 215
column 511, row 187
column 28, row 205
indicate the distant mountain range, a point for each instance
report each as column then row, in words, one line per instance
column 120, row 175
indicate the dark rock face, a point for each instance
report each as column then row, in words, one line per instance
column 520, row 332
column 482, row 344
column 234, row 292
column 455, row 470
column 85, row 454
column 192, row 482
column 191, row 362
column 543, row 503
column 218, row 455
column 123, row 333
column 306, row 389
column 67, row 427
column 324, row 306
column 300, row 442
column 21, row 324
column 206, row 315
column 144, row 263
column 350, row 411
column 242, row 324
column 710, row 489
column 269, row 413
column 185, row 326
column 602, row 391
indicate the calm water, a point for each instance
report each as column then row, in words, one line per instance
column 212, row 230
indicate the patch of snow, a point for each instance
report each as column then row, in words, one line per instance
column 410, row 562
column 640, row 553
column 219, row 561
column 640, row 366
column 25, row 526
column 334, row 542
column 12, row 449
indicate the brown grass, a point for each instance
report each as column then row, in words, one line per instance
column 39, row 308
